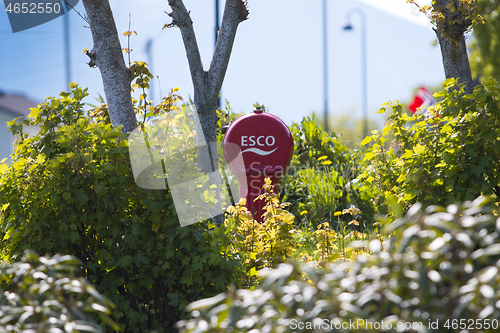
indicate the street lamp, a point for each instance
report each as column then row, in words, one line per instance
column 348, row 27
column 217, row 28
column 325, row 66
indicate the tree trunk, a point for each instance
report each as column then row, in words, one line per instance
column 450, row 33
column 207, row 84
column 108, row 56
column 455, row 60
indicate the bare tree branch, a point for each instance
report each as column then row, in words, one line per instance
column 234, row 13
column 181, row 18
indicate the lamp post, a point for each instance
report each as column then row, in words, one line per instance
column 216, row 20
column 67, row 57
column 348, row 27
column 217, row 28
column 325, row 66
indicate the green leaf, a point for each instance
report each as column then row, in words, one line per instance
column 99, row 189
column 5, row 206
column 366, row 140
column 9, row 233
column 140, row 259
column 66, row 196
column 368, row 156
column 419, row 149
column 34, row 113
column 407, row 154
column 173, row 299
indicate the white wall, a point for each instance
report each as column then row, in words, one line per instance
column 6, row 137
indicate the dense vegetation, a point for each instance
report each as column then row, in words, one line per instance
column 70, row 189
column 438, row 272
column 323, row 178
column 450, row 154
column 44, row 295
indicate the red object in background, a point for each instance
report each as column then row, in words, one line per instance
column 266, row 145
column 422, row 98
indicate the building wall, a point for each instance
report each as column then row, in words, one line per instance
column 6, row 137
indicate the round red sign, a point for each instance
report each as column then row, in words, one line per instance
column 266, row 145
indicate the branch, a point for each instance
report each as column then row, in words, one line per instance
column 107, row 55
column 180, row 17
column 235, row 12
column 492, row 9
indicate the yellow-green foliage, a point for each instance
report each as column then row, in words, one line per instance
column 323, row 177
column 326, row 240
column 70, row 189
column 438, row 272
column 337, row 244
column 277, row 240
column 450, row 154
column 262, row 244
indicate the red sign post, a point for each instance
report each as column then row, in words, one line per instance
column 266, row 145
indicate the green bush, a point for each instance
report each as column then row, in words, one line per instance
column 438, row 272
column 70, row 189
column 449, row 155
column 43, row 295
column 323, row 178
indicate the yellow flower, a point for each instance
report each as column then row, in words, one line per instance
column 354, row 222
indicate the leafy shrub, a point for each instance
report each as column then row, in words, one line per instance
column 328, row 243
column 259, row 244
column 438, row 272
column 277, row 240
column 43, row 295
column 312, row 142
column 448, row 156
column 323, row 178
column 70, row 189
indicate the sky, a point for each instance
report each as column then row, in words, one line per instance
column 276, row 59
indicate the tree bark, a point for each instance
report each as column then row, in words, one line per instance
column 450, row 33
column 107, row 55
column 455, row 60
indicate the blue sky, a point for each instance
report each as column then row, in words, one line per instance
column 276, row 59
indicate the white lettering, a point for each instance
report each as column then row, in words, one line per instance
column 251, row 141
